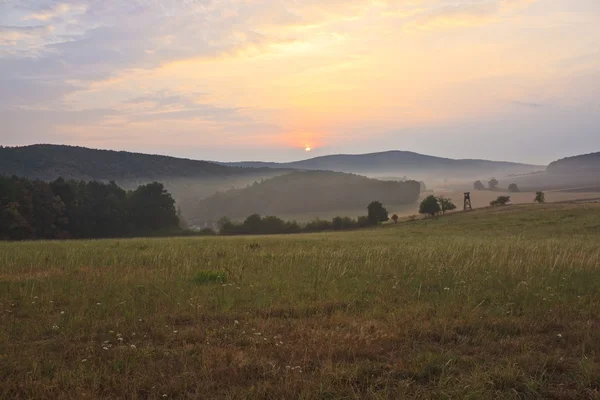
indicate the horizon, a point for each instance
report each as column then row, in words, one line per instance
column 219, row 80
column 309, row 156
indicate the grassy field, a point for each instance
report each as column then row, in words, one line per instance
column 501, row 303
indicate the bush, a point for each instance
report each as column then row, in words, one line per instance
column 500, row 201
column 207, row 232
column 318, row 225
column 208, row 277
column 540, row 197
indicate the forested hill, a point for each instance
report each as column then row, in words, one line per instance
column 583, row 163
column 302, row 192
column 49, row 162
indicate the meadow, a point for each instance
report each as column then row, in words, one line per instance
column 495, row 303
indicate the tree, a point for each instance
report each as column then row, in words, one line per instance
column 493, row 184
column 253, row 224
column 513, row 188
column 540, row 197
column 153, row 208
column 446, row 204
column 430, row 205
column 395, row 218
column 377, row 213
column 500, row 201
column 478, row 185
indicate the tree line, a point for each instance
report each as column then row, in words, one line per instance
column 271, row 225
column 493, row 185
column 63, row 209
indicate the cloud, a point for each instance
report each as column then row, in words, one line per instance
column 464, row 14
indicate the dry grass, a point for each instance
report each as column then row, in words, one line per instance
column 489, row 304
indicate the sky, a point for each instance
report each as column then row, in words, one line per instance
column 231, row 80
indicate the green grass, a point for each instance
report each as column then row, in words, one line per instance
column 208, row 277
column 499, row 303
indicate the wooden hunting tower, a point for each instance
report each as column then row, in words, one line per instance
column 468, row 205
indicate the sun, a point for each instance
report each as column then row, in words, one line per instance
column 307, row 149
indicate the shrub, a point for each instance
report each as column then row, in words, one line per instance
column 500, row 201
column 540, row 197
column 208, row 277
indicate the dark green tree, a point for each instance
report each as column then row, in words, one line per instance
column 430, row 206
column 478, row 185
column 493, row 184
column 152, row 208
column 377, row 213
column 253, row 224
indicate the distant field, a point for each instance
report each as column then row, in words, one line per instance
column 479, row 199
column 493, row 304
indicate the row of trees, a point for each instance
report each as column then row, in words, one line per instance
column 270, row 225
column 493, row 185
column 76, row 209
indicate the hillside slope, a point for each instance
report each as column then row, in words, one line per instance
column 579, row 172
column 400, row 163
column 304, row 192
column 582, row 163
column 48, row 162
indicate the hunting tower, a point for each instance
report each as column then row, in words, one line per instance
column 468, row 205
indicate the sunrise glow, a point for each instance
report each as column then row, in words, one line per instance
column 352, row 76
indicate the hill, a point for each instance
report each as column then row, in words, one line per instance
column 402, row 163
column 583, row 163
column 304, row 192
column 187, row 180
column 49, row 162
column 579, row 172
